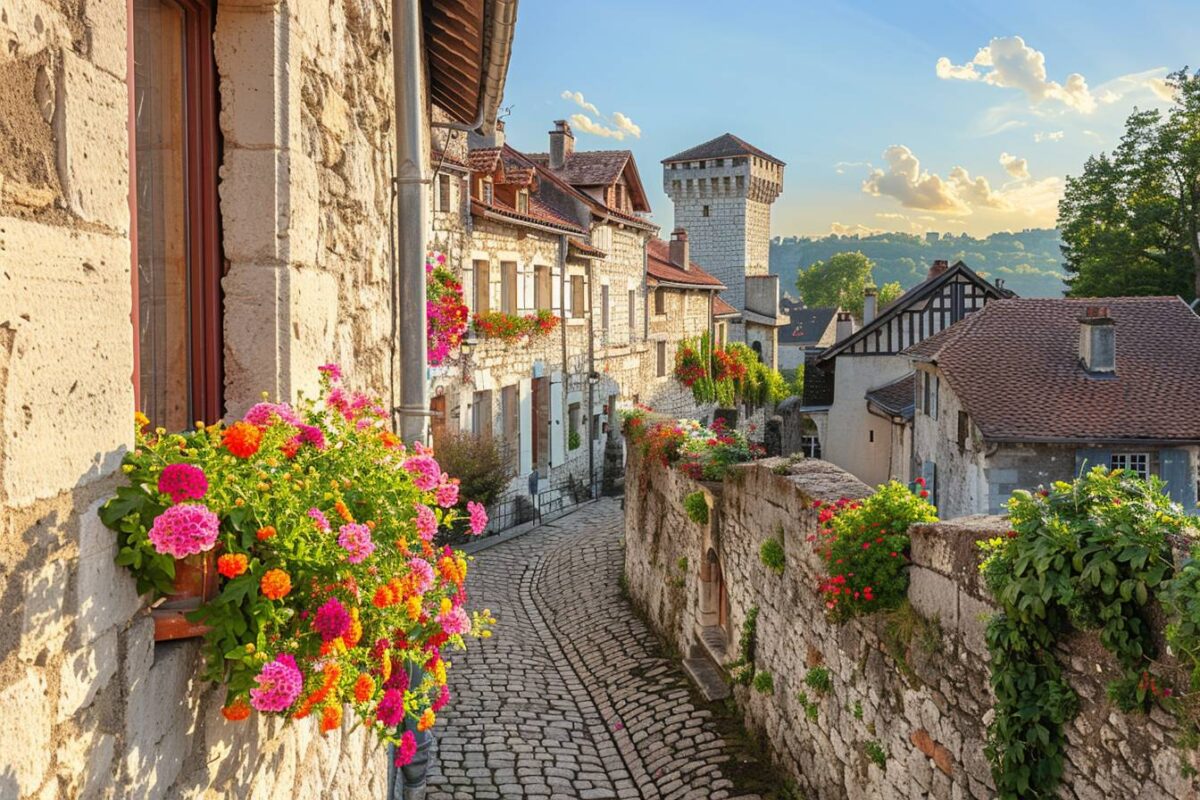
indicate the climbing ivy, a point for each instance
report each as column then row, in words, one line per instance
column 742, row 670
column 1087, row 555
column 696, row 507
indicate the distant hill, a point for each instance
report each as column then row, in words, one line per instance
column 1029, row 262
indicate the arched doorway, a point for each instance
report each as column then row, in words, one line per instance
column 714, row 595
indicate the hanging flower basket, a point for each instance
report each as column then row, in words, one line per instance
column 514, row 327
column 329, row 591
column 446, row 313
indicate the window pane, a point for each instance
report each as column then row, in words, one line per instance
column 164, row 319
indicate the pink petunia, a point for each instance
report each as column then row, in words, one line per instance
column 355, row 539
column 479, row 517
column 184, row 530
column 426, row 522
column 447, row 494
column 183, row 482
column 279, row 684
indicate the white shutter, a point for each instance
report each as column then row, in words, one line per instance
column 528, row 277
column 567, row 298
column 466, row 400
column 556, row 298
column 557, row 433
column 526, row 412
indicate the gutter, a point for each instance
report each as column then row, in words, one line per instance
column 1089, row 440
column 499, row 217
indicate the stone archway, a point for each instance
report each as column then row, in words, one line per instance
column 714, row 594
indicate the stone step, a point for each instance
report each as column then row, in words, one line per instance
column 711, row 639
column 708, row 678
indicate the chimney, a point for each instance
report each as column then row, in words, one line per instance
column 1098, row 341
column 939, row 266
column 870, row 300
column 562, row 144
column 476, row 140
column 845, row 325
column 679, row 249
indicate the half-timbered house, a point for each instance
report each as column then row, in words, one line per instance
column 861, row 398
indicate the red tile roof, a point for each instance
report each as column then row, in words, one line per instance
column 438, row 158
column 724, row 145
column 660, row 269
column 722, row 309
column 539, row 213
column 567, row 188
column 586, row 249
column 589, row 168
column 1015, row 367
column 483, row 159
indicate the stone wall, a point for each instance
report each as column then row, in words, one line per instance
column 97, row 708
column 915, row 683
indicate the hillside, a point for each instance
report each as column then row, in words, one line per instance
column 1029, row 262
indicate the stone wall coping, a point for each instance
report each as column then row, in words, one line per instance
column 951, row 548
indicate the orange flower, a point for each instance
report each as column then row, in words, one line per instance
column 414, row 606
column 389, row 439
column 242, row 439
column 276, row 584
column 383, row 597
column 236, row 711
column 231, row 564
column 331, row 717
column 426, row 721
column 343, row 512
column 355, row 634
column 265, row 533
column 364, row 687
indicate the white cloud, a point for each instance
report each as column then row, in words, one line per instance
column 975, row 192
column 582, row 122
column 840, row 167
column 1017, row 167
column 577, row 99
column 905, row 181
column 1150, row 84
column 1049, row 136
column 857, row 229
column 624, row 123
column 1008, row 62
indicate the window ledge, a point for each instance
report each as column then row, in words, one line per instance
column 576, row 321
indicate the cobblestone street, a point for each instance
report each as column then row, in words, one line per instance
column 572, row 697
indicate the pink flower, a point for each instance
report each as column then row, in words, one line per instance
column 311, row 434
column 423, row 573
column 355, row 539
column 260, row 414
column 406, row 751
column 443, row 699
column 390, row 710
column 183, row 482
column 447, row 494
column 319, row 518
column 479, row 517
column 279, row 684
column 332, row 371
column 184, row 530
column 425, row 471
column 455, row 621
column 426, row 522
column 333, row 620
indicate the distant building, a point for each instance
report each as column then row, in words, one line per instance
column 722, row 191
column 1027, row 392
column 808, row 329
column 932, row 237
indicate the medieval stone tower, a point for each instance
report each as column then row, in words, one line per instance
column 722, row 191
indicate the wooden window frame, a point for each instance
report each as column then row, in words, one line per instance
column 205, row 263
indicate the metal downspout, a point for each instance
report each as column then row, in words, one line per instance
column 592, row 379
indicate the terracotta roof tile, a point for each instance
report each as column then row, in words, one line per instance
column 483, row 159
column 588, row 167
column 660, row 268
column 724, row 145
column 722, row 309
column 586, row 249
column 1015, row 367
column 538, row 213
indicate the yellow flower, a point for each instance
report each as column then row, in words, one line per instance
column 446, row 606
column 140, row 419
column 427, row 720
column 387, row 666
column 413, row 605
column 439, row 673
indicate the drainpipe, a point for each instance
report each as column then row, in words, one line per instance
column 592, row 378
column 411, row 181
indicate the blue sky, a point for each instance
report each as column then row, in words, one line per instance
column 877, row 133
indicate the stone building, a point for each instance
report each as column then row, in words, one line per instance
column 809, row 330
column 722, row 191
column 858, row 393
column 1027, row 392
column 194, row 209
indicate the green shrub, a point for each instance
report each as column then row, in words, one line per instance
column 742, row 670
column 812, row 710
column 764, row 683
column 875, row 752
column 772, row 555
column 818, row 680
column 481, row 467
column 573, row 440
column 696, row 507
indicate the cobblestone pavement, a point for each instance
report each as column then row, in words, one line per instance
column 572, row 697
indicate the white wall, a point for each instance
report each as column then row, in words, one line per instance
column 847, row 440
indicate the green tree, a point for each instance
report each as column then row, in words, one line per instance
column 840, row 281
column 1129, row 222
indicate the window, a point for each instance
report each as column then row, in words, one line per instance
column 964, row 430
column 177, row 256
column 929, row 383
column 661, row 353
column 573, row 422
column 443, row 192
column 483, row 287
column 542, row 290
column 871, row 436
column 481, row 413
column 632, row 313
column 810, row 442
column 523, row 201
column 704, row 211
column 578, row 305
column 508, row 287
column 757, row 348
column 1135, row 463
column 660, row 301
column 604, row 308
column 510, row 414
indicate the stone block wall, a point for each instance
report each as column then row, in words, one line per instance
column 914, row 685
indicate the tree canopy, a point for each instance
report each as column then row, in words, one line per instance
column 839, row 282
column 1129, row 222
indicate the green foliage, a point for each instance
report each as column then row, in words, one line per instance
column 812, row 709
column 727, row 376
column 764, row 683
column 1030, row 261
column 817, row 679
column 1130, row 220
column 864, row 545
column 857, row 710
column 903, row 629
column 742, row 670
column 836, row 282
column 696, row 508
column 772, row 556
column 1089, row 555
column 875, row 752
column 479, row 463
column 574, row 440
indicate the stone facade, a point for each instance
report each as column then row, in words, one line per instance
column 305, row 96
column 924, row 702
